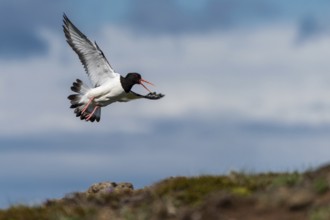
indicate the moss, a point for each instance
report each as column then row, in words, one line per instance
column 241, row 191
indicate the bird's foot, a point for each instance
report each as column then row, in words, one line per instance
column 89, row 116
column 86, row 106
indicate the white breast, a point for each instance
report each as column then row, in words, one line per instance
column 109, row 92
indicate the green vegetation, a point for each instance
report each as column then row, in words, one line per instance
column 236, row 196
column 321, row 185
column 288, row 179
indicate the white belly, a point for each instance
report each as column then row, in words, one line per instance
column 107, row 93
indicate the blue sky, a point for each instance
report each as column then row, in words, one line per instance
column 247, row 88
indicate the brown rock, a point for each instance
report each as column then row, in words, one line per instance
column 109, row 187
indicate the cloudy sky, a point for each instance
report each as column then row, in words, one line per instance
column 247, row 87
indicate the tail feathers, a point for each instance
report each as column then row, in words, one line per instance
column 81, row 89
column 78, row 102
column 75, row 100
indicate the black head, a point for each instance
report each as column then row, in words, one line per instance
column 131, row 79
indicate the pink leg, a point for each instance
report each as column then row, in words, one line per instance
column 91, row 114
column 86, row 106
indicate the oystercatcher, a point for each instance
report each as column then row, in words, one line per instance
column 108, row 86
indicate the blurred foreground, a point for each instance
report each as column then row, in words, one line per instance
column 234, row 196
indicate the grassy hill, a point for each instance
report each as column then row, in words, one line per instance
column 270, row 196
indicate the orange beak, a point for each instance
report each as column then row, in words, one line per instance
column 142, row 80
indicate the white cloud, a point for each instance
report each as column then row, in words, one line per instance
column 258, row 74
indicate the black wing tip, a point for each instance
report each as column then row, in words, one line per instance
column 66, row 24
column 70, row 29
column 66, row 19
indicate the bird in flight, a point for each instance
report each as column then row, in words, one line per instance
column 108, row 86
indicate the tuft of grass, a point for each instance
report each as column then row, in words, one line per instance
column 288, row 179
column 320, row 185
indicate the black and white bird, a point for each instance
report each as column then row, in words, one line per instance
column 108, row 86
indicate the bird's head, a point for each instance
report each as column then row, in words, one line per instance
column 135, row 78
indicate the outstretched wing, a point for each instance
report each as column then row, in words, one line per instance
column 91, row 56
column 132, row 95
